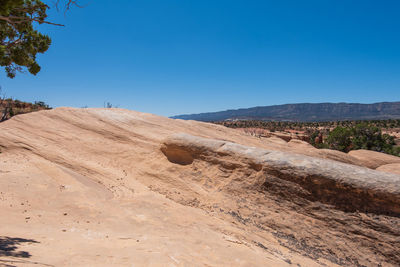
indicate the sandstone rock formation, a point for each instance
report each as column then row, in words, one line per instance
column 346, row 186
column 391, row 168
column 91, row 187
column 373, row 159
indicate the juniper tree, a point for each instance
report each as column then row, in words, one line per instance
column 20, row 42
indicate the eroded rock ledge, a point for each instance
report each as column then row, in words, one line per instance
column 345, row 186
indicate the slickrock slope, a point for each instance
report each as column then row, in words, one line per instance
column 345, row 186
column 93, row 187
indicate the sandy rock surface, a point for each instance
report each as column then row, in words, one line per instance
column 344, row 185
column 391, row 168
column 373, row 159
column 92, row 187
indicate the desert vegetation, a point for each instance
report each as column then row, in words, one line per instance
column 376, row 135
column 10, row 107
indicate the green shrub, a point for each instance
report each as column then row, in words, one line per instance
column 362, row 136
column 340, row 139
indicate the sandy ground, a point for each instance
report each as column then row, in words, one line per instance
column 90, row 187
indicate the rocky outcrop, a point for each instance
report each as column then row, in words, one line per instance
column 222, row 205
column 373, row 159
column 345, row 186
column 391, row 168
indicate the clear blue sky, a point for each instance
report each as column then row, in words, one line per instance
column 172, row 57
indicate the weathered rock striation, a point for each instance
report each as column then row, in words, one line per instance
column 97, row 180
column 345, row 186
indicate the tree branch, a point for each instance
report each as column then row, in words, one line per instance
column 18, row 20
column 14, row 20
column 68, row 5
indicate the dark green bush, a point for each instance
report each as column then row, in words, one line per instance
column 362, row 136
column 340, row 139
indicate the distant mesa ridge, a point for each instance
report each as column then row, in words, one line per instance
column 305, row 112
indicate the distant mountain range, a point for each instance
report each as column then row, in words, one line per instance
column 305, row 112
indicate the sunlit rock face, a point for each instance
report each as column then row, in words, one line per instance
column 123, row 188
